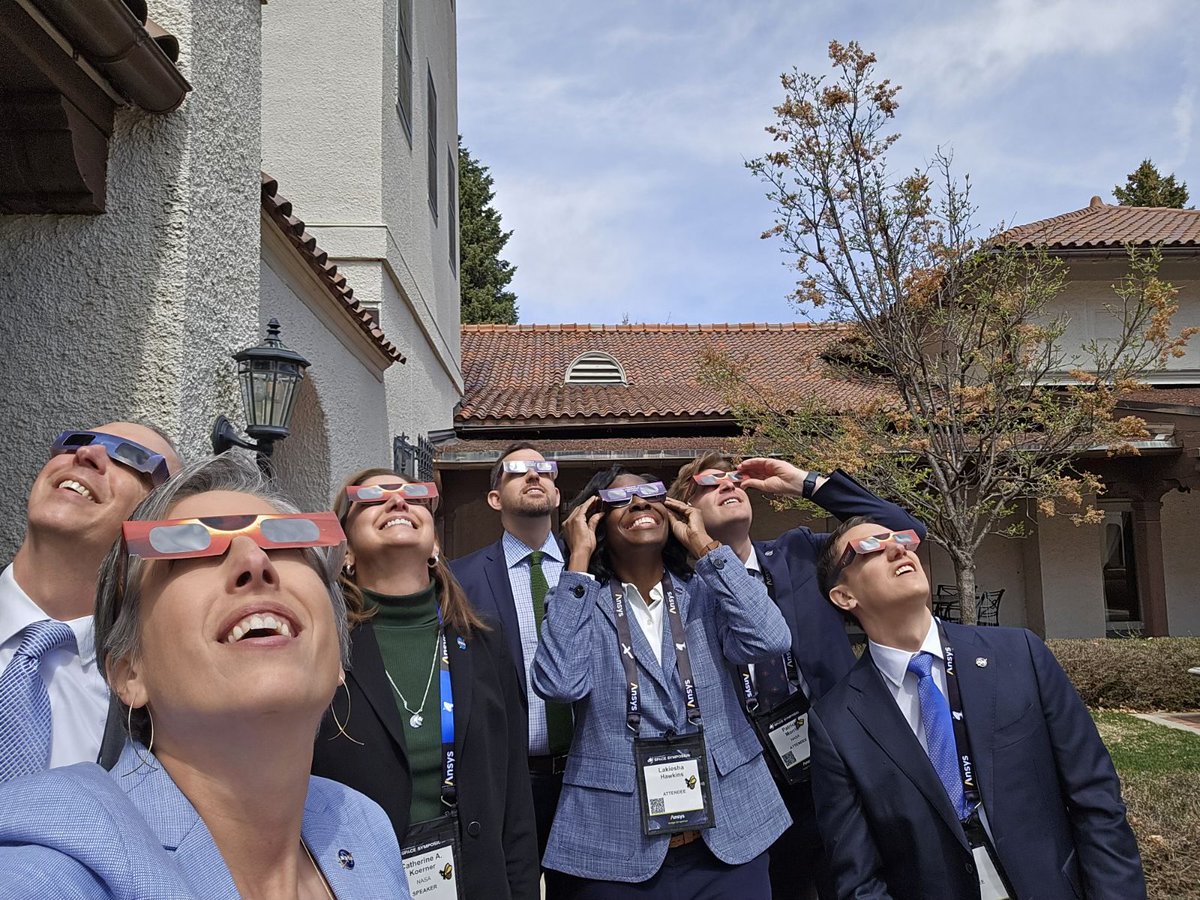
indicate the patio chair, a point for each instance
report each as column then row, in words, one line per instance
column 946, row 605
column 987, row 607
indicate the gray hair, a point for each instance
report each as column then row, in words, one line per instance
column 118, row 591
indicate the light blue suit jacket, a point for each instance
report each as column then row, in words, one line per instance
column 81, row 832
column 728, row 619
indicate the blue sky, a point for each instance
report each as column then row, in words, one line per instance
column 616, row 132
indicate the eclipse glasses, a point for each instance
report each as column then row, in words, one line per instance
column 413, row 492
column 873, row 544
column 212, row 535
column 521, row 466
column 128, row 453
column 623, row 496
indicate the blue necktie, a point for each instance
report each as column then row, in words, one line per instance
column 939, row 730
column 25, row 703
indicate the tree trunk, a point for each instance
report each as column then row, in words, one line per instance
column 964, row 574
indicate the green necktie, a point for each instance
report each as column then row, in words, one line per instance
column 558, row 715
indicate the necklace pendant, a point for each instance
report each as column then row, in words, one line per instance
column 416, row 720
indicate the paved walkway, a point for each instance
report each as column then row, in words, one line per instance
column 1181, row 721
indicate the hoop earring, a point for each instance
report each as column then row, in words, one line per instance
column 341, row 727
column 433, row 560
column 348, row 570
column 142, row 761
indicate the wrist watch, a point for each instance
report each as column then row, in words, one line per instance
column 810, row 484
column 708, row 548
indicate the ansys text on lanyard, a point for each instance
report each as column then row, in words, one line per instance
column 633, row 706
column 449, row 790
column 966, row 767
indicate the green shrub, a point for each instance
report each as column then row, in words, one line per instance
column 1132, row 673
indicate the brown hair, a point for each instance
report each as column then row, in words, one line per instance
column 498, row 465
column 456, row 609
column 683, row 488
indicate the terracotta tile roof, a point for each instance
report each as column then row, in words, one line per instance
column 279, row 209
column 1173, row 396
column 514, row 374
column 1099, row 226
column 614, row 449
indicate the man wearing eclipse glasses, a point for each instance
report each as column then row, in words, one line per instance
column 776, row 696
column 954, row 760
column 508, row 582
column 53, row 702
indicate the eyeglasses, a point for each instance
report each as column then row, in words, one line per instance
column 413, row 491
column 716, row 478
column 212, row 535
column 874, row 544
column 623, row 496
column 122, row 450
column 521, row 466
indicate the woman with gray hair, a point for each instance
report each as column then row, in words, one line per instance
column 221, row 627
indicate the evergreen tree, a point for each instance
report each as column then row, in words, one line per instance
column 1145, row 186
column 484, row 276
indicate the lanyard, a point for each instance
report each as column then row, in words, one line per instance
column 633, row 697
column 449, row 789
column 747, row 689
column 966, row 768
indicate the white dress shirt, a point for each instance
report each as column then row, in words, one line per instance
column 78, row 695
column 516, row 557
column 892, row 664
column 649, row 616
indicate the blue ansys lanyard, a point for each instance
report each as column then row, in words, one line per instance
column 449, row 791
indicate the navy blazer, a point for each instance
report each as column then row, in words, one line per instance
column 81, row 832
column 484, row 577
column 728, row 618
column 819, row 641
column 1049, row 789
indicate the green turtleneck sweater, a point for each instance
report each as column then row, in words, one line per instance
column 406, row 627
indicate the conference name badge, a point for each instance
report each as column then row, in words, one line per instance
column 673, row 784
column 431, row 859
column 783, row 732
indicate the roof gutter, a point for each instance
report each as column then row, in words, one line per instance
column 108, row 35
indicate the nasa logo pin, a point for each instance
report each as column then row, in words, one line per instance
column 981, row 661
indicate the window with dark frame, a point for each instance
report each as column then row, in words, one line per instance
column 404, row 64
column 452, row 209
column 431, row 143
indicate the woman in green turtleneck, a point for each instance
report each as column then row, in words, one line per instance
column 384, row 733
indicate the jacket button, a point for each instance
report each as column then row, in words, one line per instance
column 719, row 563
column 970, row 868
column 580, row 590
column 473, row 829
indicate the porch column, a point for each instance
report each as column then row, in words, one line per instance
column 1148, row 551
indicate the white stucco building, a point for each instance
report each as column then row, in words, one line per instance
column 141, row 243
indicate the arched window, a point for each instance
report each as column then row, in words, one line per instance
column 595, row 367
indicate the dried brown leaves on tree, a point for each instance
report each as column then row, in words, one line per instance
column 981, row 408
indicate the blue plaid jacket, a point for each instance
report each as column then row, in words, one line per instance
column 728, row 618
column 81, row 832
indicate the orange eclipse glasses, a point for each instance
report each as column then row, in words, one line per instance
column 212, row 535
column 713, row 478
column 412, row 492
column 873, row 544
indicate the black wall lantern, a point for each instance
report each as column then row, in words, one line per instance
column 270, row 376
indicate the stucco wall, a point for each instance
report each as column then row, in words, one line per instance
column 340, row 423
column 333, row 137
column 134, row 313
column 1072, row 581
column 1181, row 561
column 1090, row 289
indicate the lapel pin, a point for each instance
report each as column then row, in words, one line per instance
column 345, row 859
column 768, row 553
column 462, row 645
column 981, row 661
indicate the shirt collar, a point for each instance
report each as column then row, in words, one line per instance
column 18, row 612
column 892, row 662
column 752, row 563
column 516, row 551
column 656, row 594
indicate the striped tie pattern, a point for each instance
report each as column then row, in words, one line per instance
column 25, row 702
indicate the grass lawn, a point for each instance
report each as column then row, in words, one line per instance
column 1160, row 778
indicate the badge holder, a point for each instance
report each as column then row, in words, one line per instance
column 783, row 732
column 992, row 885
column 673, row 784
column 432, row 851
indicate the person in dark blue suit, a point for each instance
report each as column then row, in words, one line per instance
column 820, row 649
column 507, row 583
column 957, row 761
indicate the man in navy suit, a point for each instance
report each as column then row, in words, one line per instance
column 820, row 649
column 503, row 583
column 957, row 761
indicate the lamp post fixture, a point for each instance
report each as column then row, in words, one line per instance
column 270, row 376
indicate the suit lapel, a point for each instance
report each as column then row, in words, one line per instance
column 978, row 687
column 371, row 677
column 876, row 711
column 506, row 606
column 641, row 647
column 461, row 678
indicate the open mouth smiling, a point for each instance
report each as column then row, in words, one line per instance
column 396, row 521
column 70, row 484
column 642, row 521
column 904, row 569
column 260, row 624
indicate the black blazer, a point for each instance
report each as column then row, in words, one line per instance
column 484, row 576
column 1049, row 789
column 495, row 805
